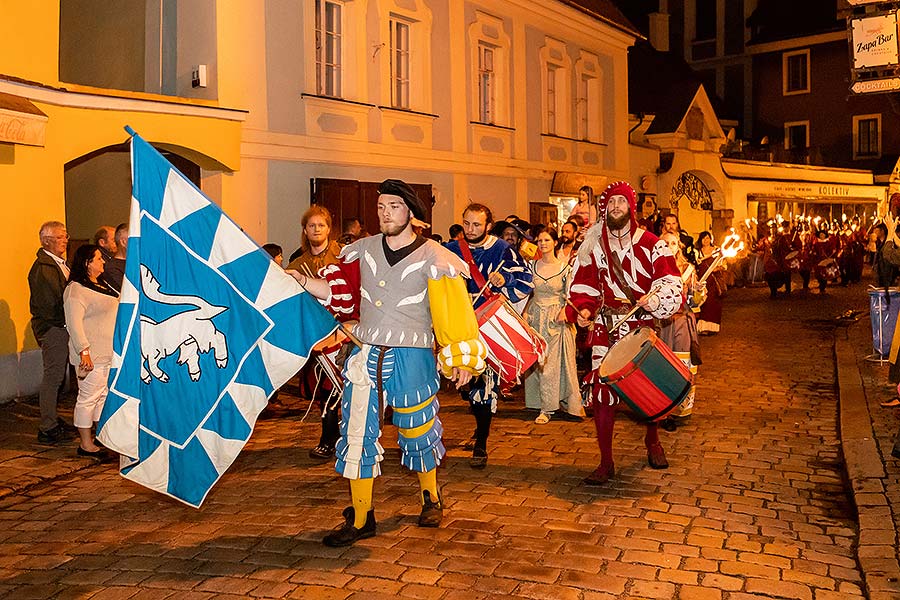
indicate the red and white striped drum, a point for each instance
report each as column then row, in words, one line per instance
column 828, row 269
column 513, row 345
column 792, row 260
column 646, row 374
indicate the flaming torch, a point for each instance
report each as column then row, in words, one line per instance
column 731, row 245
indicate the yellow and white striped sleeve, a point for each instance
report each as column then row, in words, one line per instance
column 455, row 327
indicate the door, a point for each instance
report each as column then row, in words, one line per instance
column 346, row 199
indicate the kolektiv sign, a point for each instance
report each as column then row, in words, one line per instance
column 874, row 41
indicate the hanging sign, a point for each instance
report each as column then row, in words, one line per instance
column 874, row 41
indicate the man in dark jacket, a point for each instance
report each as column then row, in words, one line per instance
column 46, row 280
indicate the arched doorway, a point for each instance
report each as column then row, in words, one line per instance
column 98, row 189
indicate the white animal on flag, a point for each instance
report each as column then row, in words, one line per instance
column 189, row 333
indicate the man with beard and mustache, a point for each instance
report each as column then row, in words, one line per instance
column 409, row 292
column 504, row 272
column 568, row 242
column 617, row 266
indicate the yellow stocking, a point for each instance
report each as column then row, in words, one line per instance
column 428, row 481
column 361, row 493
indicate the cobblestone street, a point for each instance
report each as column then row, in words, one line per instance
column 753, row 505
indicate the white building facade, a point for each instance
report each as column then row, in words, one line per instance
column 485, row 102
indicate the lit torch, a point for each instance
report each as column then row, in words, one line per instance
column 731, row 245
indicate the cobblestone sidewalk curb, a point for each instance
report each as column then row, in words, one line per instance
column 876, row 551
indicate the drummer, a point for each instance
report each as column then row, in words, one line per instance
column 502, row 271
column 619, row 266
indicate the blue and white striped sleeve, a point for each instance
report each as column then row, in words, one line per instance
column 519, row 279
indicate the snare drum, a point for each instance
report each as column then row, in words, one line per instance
column 646, row 375
column 513, row 345
column 828, row 269
column 792, row 261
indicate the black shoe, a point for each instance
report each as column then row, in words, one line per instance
column 322, row 452
column 669, row 424
column 53, row 436
column 65, row 426
column 479, row 459
column 432, row 512
column 569, row 417
column 99, row 454
column 346, row 534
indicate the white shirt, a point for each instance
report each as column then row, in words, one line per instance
column 60, row 262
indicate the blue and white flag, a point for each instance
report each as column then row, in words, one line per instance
column 208, row 327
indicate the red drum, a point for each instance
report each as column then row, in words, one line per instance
column 828, row 269
column 646, row 375
column 513, row 346
column 792, row 261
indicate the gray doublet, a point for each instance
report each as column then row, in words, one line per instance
column 394, row 306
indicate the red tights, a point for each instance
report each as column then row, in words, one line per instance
column 604, row 420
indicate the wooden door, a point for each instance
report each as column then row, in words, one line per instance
column 341, row 197
column 346, row 198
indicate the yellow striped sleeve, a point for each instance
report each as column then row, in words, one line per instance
column 455, row 327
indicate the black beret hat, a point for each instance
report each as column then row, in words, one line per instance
column 395, row 187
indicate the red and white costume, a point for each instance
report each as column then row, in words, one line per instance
column 647, row 264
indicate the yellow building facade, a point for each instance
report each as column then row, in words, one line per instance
column 63, row 156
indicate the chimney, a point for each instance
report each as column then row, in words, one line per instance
column 659, row 31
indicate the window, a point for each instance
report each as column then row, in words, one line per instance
column 488, row 66
column 795, row 68
column 551, row 99
column 705, row 20
column 486, row 83
column 796, row 135
column 588, row 106
column 328, row 48
column 399, row 64
column 866, row 136
column 557, row 101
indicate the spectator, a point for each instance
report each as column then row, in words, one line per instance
column 114, row 269
column 90, row 309
column 275, row 252
column 46, row 280
column 350, row 231
column 586, row 207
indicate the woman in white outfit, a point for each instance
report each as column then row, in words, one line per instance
column 90, row 306
column 552, row 385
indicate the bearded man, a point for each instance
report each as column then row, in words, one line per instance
column 568, row 242
column 617, row 267
column 504, row 272
column 409, row 292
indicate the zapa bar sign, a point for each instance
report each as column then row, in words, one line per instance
column 874, row 41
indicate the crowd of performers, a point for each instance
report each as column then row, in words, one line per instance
column 413, row 309
column 828, row 252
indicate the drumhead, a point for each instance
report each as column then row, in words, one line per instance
column 624, row 351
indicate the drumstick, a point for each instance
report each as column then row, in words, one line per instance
column 488, row 282
column 653, row 291
column 575, row 308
